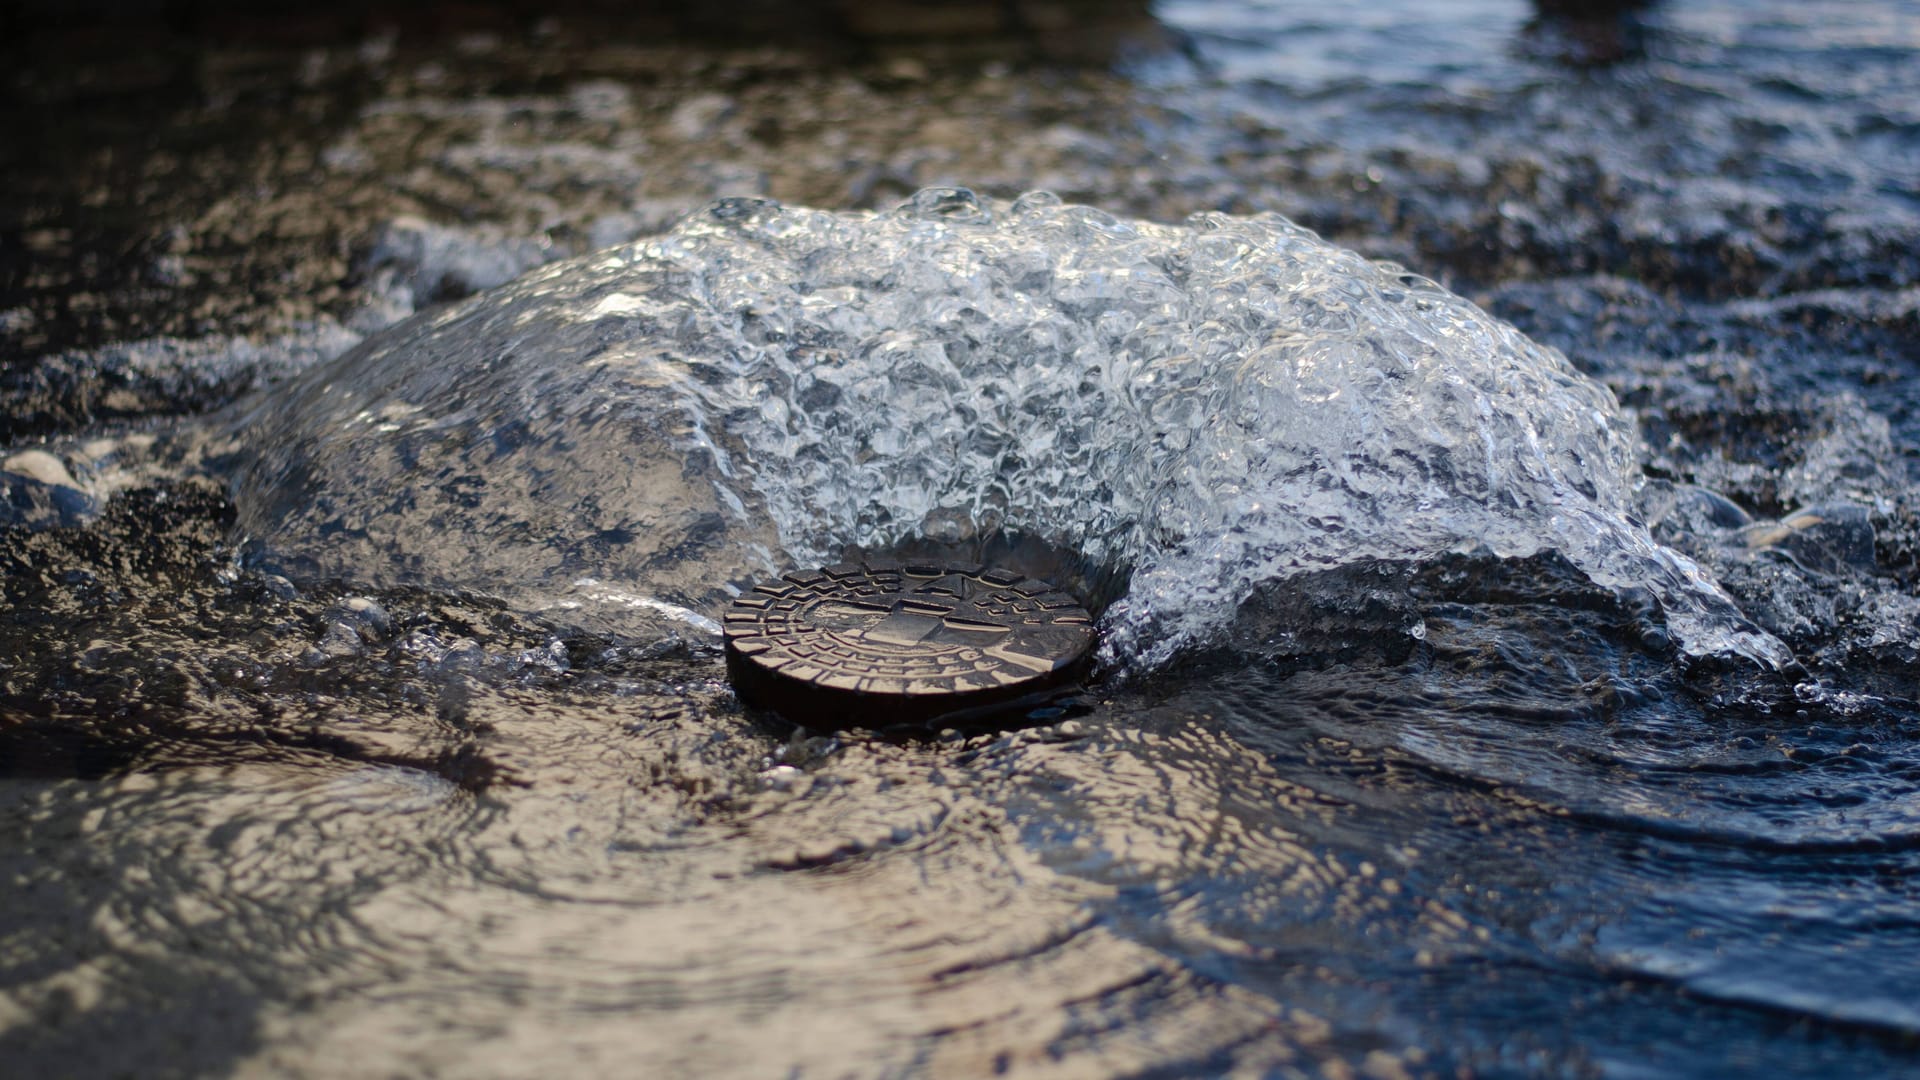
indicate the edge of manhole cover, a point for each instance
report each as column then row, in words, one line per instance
column 883, row 643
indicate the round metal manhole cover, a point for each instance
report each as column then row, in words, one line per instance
column 879, row 643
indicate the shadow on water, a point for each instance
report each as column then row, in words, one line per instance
column 142, row 133
column 1588, row 33
column 1058, row 31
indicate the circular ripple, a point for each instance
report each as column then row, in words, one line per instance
column 882, row 643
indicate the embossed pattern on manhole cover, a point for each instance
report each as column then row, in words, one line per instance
column 881, row 643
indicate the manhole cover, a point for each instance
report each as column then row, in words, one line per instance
column 881, row 643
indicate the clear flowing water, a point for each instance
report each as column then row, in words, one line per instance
column 358, row 708
column 1215, row 407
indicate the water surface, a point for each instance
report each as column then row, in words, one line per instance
column 1425, row 810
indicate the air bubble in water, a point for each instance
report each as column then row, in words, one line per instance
column 1214, row 404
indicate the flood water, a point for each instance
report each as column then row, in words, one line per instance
column 1510, row 654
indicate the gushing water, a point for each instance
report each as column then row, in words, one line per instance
column 1214, row 405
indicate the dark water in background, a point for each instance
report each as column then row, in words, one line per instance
column 255, row 826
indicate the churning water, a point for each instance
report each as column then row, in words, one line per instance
column 1216, row 406
column 366, row 507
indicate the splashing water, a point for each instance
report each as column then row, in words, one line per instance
column 632, row 435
